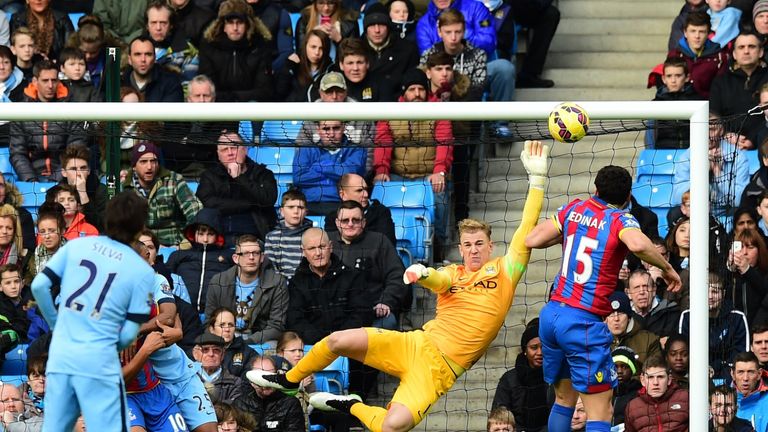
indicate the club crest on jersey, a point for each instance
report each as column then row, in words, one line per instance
column 166, row 288
column 490, row 270
column 237, row 359
column 599, row 376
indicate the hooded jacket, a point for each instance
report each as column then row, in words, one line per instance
column 662, row 320
column 278, row 411
column 674, row 134
column 405, row 29
column 197, row 265
column 479, row 31
column 79, row 228
column 622, row 395
column 668, row 413
column 283, row 247
column 754, row 407
column 523, row 391
column 317, row 169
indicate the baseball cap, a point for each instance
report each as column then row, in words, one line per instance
column 331, row 80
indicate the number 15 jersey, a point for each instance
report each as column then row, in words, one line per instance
column 103, row 284
column 592, row 253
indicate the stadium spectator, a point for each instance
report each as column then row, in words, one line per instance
column 674, row 134
column 91, row 39
column 317, row 170
column 725, row 22
column 77, row 172
column 205, row 258
column 428, row 155
column 649, row 222
column 33, row 391
column 728, row 334
column 50, row 28
column 12, row 413
column 13, row 84
column 501, row 420
column 172, row 205
column 392, row 57
column 628, row 332
column 717, row 234
column 254, row 289
column 278, row 22
column 330, row 17
column 325, row 294
column 542, row 18
column 627, row 366
column 744, row 218
column 290, row 347
column 190, row 20
column 378, row 217
column 209, row 351
column 132, row 132
column 154, row 82
column 272, row 409
column 579, row 419
column 678, row 244
column 504, row 25
column 23, row 47
column 403, row 16
column 660, row 404
column 678, row 25
column 10, row 195
column 50, row 230
column 522, row 389
column 676, row 354
column 10, row 236
column 735, row 91
column 242, row 190
column 283, row 244
column 759, row 338
column 750, row 382
column 14, row 299
column 232, row 419
column 76, row 225
column 758, row 182
column 237, row 354
column 658, row 316
column 479, row 30
column 150, row 245
column 36, row 146
column 235, row 55
column 122, row 20
column 722, row 410
column 704, row 59
column 303, row 71
column 749, row 268
column 72, row 73
column 353, row 58
column 172, row 50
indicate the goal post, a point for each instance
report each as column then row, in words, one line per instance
column 694, row 111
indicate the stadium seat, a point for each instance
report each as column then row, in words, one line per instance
column 165, row 252
column 15, row 361
column 317, row 221
column 656, row 166
column 14, row 380
column 265, row 348
column 753, row 156
column 33, row 194
column 245, row 129
column 75, row 17
column 280, row 132
column 658, row 198
column 193, row 186
column 5, row 165
column 412, row 204
column 279, row 160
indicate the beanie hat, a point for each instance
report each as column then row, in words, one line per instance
column 620, row 302
column 530, row 332
column 414, row 76
column 376, row 14
column 628, row 356
column 141, row 149
column 760, row 6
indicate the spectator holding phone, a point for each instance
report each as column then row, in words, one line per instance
column 748, row 261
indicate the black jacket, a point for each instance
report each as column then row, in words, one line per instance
column 16, row 314
column 191, row 21
column 378, row 219
column 164, row 86
column 389, row 64
column 649, row 222
column 241, row 70
column 83, row 91
column 622, row 394
column 277, row 20
column 662, row 320
column 523, row 391
column 749, row 293
column 321, row 305
column 190, row 325
column 62, row 27
column 277, row 411
column 254, row 192
column 734, row 93
column 238, row 357
column 674, row 134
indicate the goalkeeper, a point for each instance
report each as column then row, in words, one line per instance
column 473, row 300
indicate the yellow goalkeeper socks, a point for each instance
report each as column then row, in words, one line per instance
column 372, row 417
column 316, row 359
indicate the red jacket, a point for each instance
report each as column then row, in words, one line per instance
column 668, row 413
column 80, row 228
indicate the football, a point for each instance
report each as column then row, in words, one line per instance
column 568, row 122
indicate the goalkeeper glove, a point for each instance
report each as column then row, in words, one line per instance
column 415, row 273
column 535, row 158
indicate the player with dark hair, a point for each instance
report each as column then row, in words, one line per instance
column 596, row 234
column 105, row 297
column 472, row 301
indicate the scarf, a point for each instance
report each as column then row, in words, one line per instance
column 42, row 255
column 10, row 255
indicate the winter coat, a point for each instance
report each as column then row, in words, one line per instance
column 668, row 413
column 79, row 228
column 321, row 305
column 283, row 247
column 479, row 31
column 252, row 193
column 703, row 67
column 97, row 201
column 36, row 146
column 16, row 314
column 163, row 86
column 749, row 292
column 471, row 62
column 662, row 320
column 676, row 31
column 190, row 324
column 649, row 222
column 378, row 218
column 238, row 357
column 754, row 407
column 197, row 265
column 277, row 411
column 227, row 387
column 643, row 342
column 317, row 170
column 62, row 27
column 270, row 302
column 278, row 21
column 389, row 63
column 190, row 22
column 406, row 29
column 375, row 256
column 124, row 20
column 674, row 134
column 758, row 182
column 622, row 395
column 523, row 391
column 734, row 92
column 82, row 91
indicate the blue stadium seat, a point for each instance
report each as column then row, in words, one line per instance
column 5, row 165
column 655, row 166
column 280, row 132
column 265, row 348
column 14, row 380
column 279, row 160
column 245, row 129
column 33, row 194
column 658, row 198
column 334, row 378
column 412, row 204
column 165, row 252
column 75, row 17
column 317, row 221
column 753, row 156
column 15, row 361
column 193, row 186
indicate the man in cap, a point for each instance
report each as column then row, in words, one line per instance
column 172, row 205
column 429, row 154
column 222, row 386
column 628, row 332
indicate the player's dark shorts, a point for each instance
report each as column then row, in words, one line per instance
column 576, row 345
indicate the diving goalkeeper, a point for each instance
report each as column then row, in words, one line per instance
column 472, row 301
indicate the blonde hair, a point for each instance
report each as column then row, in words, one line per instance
column 473, row 225
column 501, row 415
column 8, row 211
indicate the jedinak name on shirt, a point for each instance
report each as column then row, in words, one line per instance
column 107, row 252
column 479, row 286
column 588, row 221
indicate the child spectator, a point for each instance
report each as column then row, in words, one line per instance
column 33, row 391
column 23, row 47
column 206, row 258
column 76, row 225
column 232, row 419
column 627, row 364
column 283, row 244
column 678, row 244
column 50, row 226
column 679, row 23
column 501, row 420
column 13, row 299
column 402, row 14
column 674, row 134
column 725, row 21
column 72, row 73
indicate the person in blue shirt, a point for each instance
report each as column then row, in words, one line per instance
column 105, row 289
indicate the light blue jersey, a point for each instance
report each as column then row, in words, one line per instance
column 172, row 365
column 162, row 290
column 103, row 284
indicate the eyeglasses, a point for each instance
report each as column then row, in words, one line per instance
column 250, row 254
column 353, row 221
column 331, row 128
column 225, row 325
